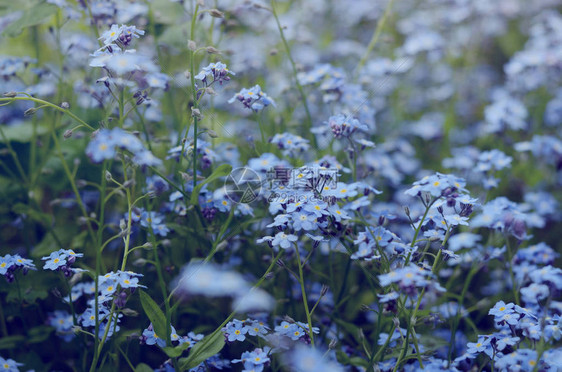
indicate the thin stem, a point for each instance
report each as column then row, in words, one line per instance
column 308, row 124
column 99, row 248
column 3, row 322
column 14, row 157
column 69, row 288
column 22, row 316
column 427, row 208
column 195, row 103
column 510, row 255
column 233, row 313
column 49, row 104
column 375, row 37
column 304, row 300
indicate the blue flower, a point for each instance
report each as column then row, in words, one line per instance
column 151, row 338
column 236, row 331
column 548, row 275
column 307, row 359
column 9, row 365
column 519, row 360
column 217, row 71
column 101, row 147
column 55, row 260
column 63, row 323
column 210, row 280
column 6, row 262
column 157, row 80
column 290, row 144
column 483, row 345
column 304, row 221
column 256, row 328
column 111, row 35
column 146, row 158
column 88, row 317
column 283, row 240
column 534, row 293
column 253, row 98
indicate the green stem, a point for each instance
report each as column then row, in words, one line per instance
column 308, row 124
column 375, row 37
column 304, row 300
column 69, row 289
column 14, row 157
column 22, row 316
column 234, row 312
column 49, row 104
column 510, row 255
column 3, row 322
column 418, row 230
column 73, row 185
column 456, row 320
column 99, row 248
column 194, row 91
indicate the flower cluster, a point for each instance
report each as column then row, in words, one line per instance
column 106, row 142
column 10, row 264
column 253, row 98
column 62, row 260
column 213, row 73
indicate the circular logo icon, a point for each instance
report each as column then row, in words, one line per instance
column 242, row 185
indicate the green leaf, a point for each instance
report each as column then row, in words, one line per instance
column 342, row 357
column 21, row 133
column 45, row 247
column 154, row 313
column 174, row 352
column 143, row 368
column 10, row 342
column 29, row 296
column 263, row 147
column 43, row 218
column 221, row 171
column 31, row 17
column 358, row 362
column 79, row 241
column 175, row 35
column 203, row 350
column 39, row 334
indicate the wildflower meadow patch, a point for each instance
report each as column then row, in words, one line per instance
column 280, row 185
